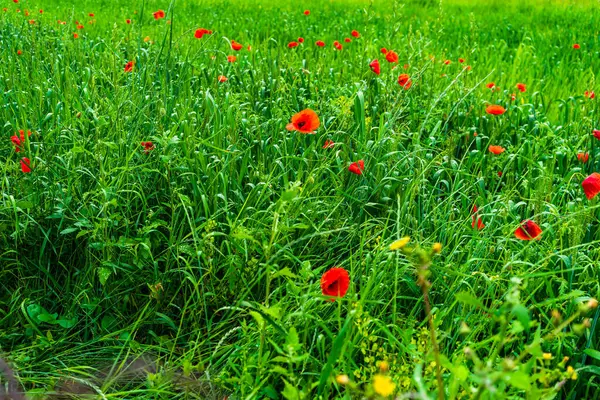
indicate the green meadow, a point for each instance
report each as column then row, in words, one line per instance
column 165, row 235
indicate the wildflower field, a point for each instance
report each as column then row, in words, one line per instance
column 270, row 199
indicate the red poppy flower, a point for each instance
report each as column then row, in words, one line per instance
column 148, row 146
column 41, row 11
column 5, row 9
column 500, row 174
column 591, row 185
column 19, row 52
column 75, row 35
column 32, row 22
column 576, row 46
column 528, row 230
column 306, row 12
column 355, row 33
column 405, row 66
column 25, row 165
column 447, row 62
column 335, row 282
column 495, row 109
column 476, row 223
column 521, row 87
column 583, row 157
column 384, row 50
column 128, row 21
column 19, row 141
column 496, row 149
column 375, row 67
column 91, row 15
column 468, row 67
column 129, row 66
column 291, row 45
column 490, row 85
column 201, row 32
column 236, row 46
column 596, row 133
column 337, row 45
column 300, row 40
column 306, row 121
column 231, row 59
column 222, row 78
column 405, row 81
column 15, row 1
column 461, row 60
column 391, row 56
column 80, row 26
column 328, row 144
column 158, row 14
column 357, row 167
column 320, row 43
column 589, row 95
column 347, row 40
column 513, row 97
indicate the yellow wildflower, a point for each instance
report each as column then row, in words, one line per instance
column 400, row 243
column 547, row 356
column 342, row 379
column 437, row 248
column 383, row 385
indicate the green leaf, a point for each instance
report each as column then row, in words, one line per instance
column 593, row 353
column 520, row 380
column 284, row 272
column 67, row 323
column 461, row 373
column 103, row 275
column 468, row 298
column 290, row 392
column 334, row 354
column 522, row 314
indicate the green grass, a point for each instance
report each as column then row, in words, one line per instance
column 204, row 257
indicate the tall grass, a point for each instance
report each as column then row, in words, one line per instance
column 205, row 253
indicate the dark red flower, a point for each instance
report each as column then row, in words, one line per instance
column 347, row 40
column 306, row 12
column 300, row 40
column 384, row 50
column 596, row 133
column 528, row 230
column 337, row 45
column 222, row 78
column 80, row 26
column 405, row 81
column 461, row 60
column 129, row 66
column 19, row 141
column 576, row 46
column 75, row 35
column 375, row 67
column 355, row 33
column 128, row 21
column 391, row 56
column 521, row 87
column 447, row 62
column 335, row 282
column 591, row 185
column 91, row 15
column 320, row 43
column 306, row 121
column 291, row 45
column 19, row 52
column 328, row 144
column 158, row 14
column 589, row 95
column 491, row 85
column 25, row 165
column 231, row 59
column 148, row 146
column 583, row 157
column 357, row 167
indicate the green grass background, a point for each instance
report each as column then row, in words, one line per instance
column 207, row 252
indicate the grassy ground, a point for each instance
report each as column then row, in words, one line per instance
column 202, row 258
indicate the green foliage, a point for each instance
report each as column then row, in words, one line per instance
column 205, row 253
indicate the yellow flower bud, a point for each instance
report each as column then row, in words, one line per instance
column 400, row 243
column 384, row 366
column 437, row 248
column 547, row 356
column 342, row 379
